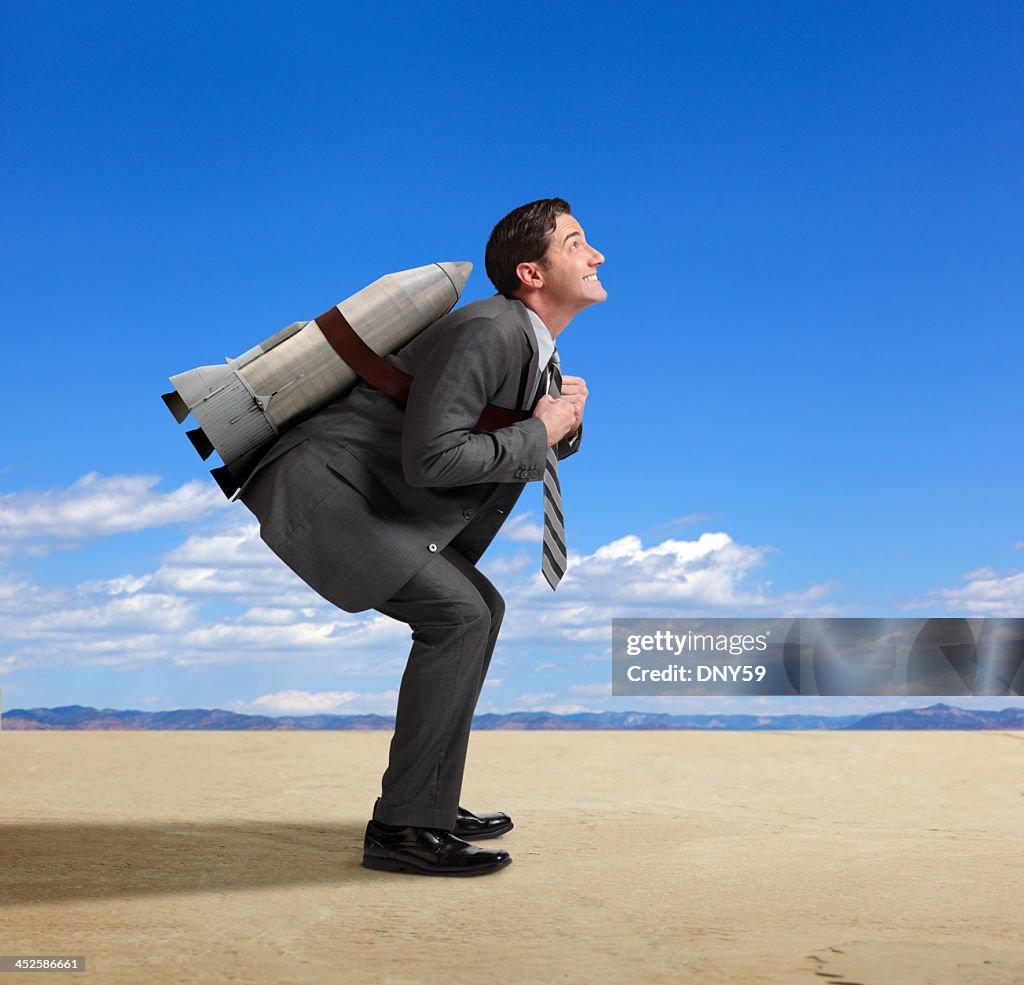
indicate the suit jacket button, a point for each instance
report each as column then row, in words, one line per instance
column 432, row 548
column 467, row 514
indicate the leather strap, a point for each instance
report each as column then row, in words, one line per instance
column 379, row 373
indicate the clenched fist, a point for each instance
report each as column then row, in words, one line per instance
column 559, row 417
column 574, row 389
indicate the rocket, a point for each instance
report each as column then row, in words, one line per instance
column 243, row 406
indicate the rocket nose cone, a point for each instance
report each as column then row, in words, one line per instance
column 458, row 273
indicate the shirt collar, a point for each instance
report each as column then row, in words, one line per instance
column 545, row 343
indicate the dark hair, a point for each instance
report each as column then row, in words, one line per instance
column 522, row 236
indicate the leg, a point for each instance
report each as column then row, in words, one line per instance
column 455, row 614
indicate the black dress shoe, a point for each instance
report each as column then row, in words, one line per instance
column 427, row 851
column 473, row 827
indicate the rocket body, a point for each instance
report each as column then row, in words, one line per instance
column 243, row 406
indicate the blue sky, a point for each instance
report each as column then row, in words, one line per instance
column 802, row 383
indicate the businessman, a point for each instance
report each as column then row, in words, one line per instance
column 384, row 506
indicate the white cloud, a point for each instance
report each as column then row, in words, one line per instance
column 316, row 703
column 603, row 690
column 236, row 546
column 176, row 615
column 984, row 591
column 18, row 596
column 301, row 702
column 504, row 566
column 523, row 528
column 707, row 576
column 223, row 640
column 97, row 506
column 535, row 702
column 221, row 598
column 232, row 563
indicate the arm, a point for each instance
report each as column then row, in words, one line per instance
column 463, row 372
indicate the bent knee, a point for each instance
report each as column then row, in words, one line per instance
column 455, row 617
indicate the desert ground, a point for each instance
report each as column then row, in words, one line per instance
column 882, row 858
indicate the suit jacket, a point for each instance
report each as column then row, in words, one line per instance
column 359, row 497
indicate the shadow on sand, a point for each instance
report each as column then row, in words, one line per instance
column 59, row 862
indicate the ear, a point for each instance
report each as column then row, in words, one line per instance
column 530, row 275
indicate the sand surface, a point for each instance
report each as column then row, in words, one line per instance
column 738, row 858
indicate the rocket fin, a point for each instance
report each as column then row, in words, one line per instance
column 227, row 482
column 176, row 405
column 286, row 333
column 200, row 442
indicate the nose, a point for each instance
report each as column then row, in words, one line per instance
column 598, row 258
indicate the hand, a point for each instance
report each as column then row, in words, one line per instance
column 574, row 389
column 559, row 417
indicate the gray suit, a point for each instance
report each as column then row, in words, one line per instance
column 376, row 505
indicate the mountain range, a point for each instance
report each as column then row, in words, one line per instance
column 79, row 717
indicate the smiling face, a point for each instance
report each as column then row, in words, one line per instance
column 568, row 272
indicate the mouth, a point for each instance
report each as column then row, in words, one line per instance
column 592, row 278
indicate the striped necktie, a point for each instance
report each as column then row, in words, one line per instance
column 553, row 560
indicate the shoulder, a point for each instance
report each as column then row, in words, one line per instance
column 492, row 330
column 495, row 317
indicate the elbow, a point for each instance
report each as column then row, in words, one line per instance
column 420, row 463
column 418, row 474
column 424, row 470
column 451, row 462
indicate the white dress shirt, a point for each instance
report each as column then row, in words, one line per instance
column 545, row 347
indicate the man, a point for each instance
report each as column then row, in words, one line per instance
column 381, row 506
